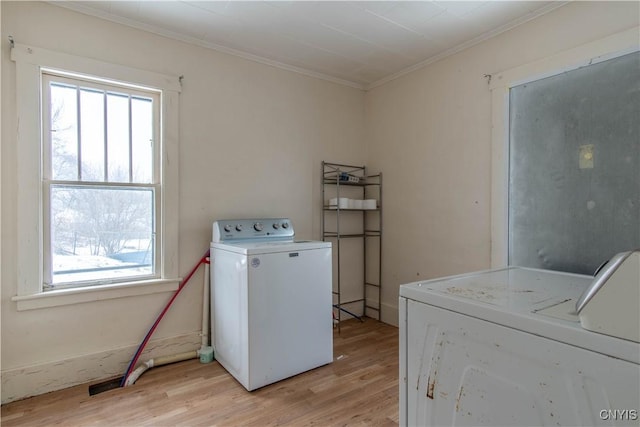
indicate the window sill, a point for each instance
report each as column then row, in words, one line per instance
column 94, row 293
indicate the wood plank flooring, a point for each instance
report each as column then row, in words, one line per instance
column 359, row 388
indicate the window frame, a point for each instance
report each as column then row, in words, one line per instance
column 31, row 62
column 50, row 76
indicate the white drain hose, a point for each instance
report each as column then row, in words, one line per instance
column 159, row 361
column 205, row 306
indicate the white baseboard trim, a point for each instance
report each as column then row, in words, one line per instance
column 33, row 380
column 390, row 314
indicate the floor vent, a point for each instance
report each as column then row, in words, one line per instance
column 104, row 386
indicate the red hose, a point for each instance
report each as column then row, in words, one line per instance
column 133, row 362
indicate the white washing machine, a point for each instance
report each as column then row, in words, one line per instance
column 271, row 314
column 506, row 347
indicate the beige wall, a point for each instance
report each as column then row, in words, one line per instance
column 430, row 134
column 252, row 138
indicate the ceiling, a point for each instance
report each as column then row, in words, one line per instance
column 357, row 43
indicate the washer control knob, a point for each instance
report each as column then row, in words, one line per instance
column 227, row 228
column 285, row 225
column 239, row 227
column 276, row 225
column 257, row 226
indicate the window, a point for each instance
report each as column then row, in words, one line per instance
column 97, row 174
column 101, row 188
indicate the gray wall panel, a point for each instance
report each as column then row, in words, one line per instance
column 568, row 211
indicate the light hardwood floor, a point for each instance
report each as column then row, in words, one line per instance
column 359, row 388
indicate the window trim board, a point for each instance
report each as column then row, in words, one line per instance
column 72, row 64
column 94, row 293
column 29, row 62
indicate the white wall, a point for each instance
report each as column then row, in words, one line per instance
column 252, row 138
column 430, row 134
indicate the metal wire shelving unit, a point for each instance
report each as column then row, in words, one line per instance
column 339, row 179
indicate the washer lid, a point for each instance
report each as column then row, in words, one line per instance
column 521, row 298
column 513, row 289
column 266, row 247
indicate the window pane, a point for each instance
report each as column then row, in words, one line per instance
column 92, row 134
column 64, row 131
column 118, row 137
column 100, row 223
column 101, row 233
column 142, row 139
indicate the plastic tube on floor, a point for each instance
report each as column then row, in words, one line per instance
column 159, row 361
